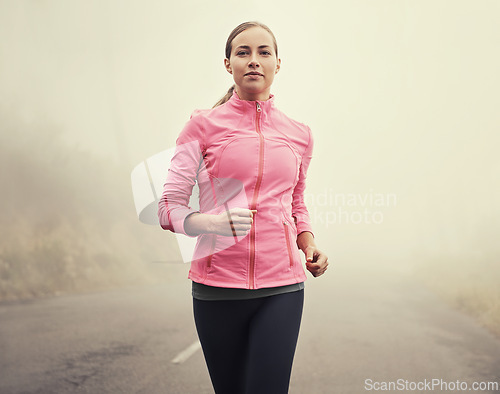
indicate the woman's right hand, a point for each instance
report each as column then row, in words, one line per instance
column 233, row 222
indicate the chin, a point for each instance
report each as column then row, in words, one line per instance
column 254, row 88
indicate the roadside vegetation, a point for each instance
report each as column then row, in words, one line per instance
column 68, row 222
column 469, row 281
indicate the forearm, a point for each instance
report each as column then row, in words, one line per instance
column 234, row 222
column 198, row 223
column 305, row 239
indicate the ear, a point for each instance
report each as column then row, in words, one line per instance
column 228, row 66
column 278, row 66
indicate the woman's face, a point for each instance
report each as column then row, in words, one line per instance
column 253, row 63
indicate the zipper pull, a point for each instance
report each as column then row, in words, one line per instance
column 258, row 107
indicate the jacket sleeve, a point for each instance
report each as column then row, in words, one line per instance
column 173, row 205
column 299, row 209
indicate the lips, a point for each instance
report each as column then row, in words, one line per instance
column 254, row 73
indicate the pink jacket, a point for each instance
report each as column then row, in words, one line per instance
column 244, row 154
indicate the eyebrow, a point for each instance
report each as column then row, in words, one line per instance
column 247, row 47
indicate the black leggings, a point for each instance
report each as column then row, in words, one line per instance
column 249, row 344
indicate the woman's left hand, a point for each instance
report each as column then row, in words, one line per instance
column 316, row 261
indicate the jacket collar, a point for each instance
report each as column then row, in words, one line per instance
column 247, row 105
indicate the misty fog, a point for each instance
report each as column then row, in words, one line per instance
column 402, row 98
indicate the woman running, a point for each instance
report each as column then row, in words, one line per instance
column 250, row 162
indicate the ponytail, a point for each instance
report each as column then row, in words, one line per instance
column 226, row 97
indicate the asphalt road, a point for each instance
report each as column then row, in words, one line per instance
column 361, row 329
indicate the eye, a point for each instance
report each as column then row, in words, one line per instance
column 241, row 53
column 266, row 53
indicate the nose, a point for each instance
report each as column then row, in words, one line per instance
column 254, row 62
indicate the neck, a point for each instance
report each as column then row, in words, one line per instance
column 261, row 96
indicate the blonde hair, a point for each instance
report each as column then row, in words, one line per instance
column 229, row 47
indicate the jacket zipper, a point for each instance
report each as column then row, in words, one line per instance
column 256, row 193
column 288, row 246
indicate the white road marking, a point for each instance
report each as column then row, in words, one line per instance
column 186, row 353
